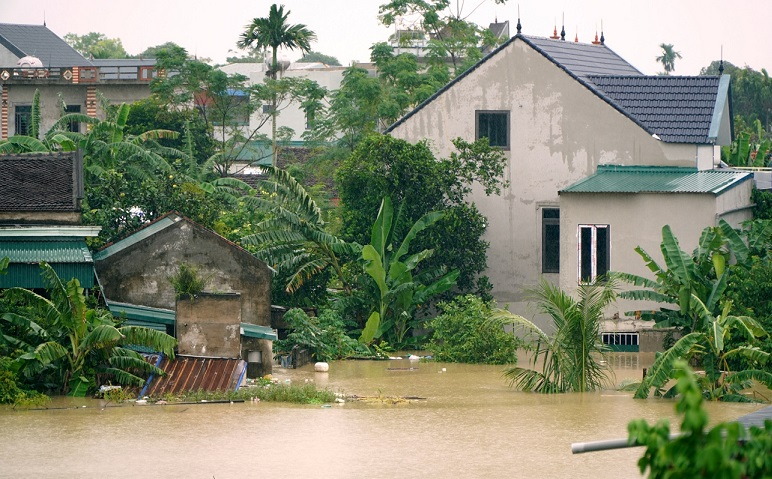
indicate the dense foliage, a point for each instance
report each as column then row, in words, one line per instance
column 726, row 450
column 324, row 336
column 463, row 332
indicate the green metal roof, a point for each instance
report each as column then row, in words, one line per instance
column 134, row 238
column 145, row 314
column 69, row 257
column 658, row 179
column 257, row 331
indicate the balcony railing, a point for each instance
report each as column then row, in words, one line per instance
column 102, row 74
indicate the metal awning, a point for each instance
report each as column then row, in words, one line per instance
column 68, row 256
column 256, row 331
column 136, row 315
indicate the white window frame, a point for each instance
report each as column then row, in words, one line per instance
column 593, row 250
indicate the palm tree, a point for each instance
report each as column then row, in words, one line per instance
column 274, row 32
column 570, row 359
column 293, row 239
column 668, row 57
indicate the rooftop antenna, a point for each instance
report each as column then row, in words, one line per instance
column 563, row 28
column 721, row 62
column 519, row 27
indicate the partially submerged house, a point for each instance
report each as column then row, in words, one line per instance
column 599, row 158
column 232, row 319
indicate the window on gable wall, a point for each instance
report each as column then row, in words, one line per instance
column 594, row 252
column 493, row 125
column 550, row 240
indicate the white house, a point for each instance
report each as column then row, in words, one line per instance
column 600, row 157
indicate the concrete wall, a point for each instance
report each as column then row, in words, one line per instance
column 209, row 325
column 72, row 94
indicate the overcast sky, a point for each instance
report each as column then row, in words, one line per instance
column 347, row 28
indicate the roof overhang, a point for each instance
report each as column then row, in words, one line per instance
column 36, row 231
column 720, row 131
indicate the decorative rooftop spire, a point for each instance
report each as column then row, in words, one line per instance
column 602, row 38
column 721, row 62
column 555, row 32
column 563, row 29
column 596, row 41
column 519, row 27
column 576, row 36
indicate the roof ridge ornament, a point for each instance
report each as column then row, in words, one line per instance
column 519, row 27
column 563, row 29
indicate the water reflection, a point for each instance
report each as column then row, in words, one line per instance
column 470, row 425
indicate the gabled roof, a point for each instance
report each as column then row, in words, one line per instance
column 658, row 179
column 677, row 109
column 583, row 59
column 577, row 59
column 41, row 182
column 38, row 41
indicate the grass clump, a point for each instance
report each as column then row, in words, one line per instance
column 264, row 390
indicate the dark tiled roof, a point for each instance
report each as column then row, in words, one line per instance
column 676, row 109
column 38, row 41
column 40, row 182
column 583, row 59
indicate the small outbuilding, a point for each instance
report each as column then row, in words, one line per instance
column 232, row 319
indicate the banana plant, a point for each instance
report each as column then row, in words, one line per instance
column 398, row 292
column 79, row 342
column 703, row 275
column 708, row 345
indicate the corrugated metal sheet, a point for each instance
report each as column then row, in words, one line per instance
column 256, row 331
column 147, row 314
column 69, row 257
column 190, row 373
column 655, row 179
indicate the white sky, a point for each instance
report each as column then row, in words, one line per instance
column 347, row 28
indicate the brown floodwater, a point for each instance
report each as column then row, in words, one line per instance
column 471, row 424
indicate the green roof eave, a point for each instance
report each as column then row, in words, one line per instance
column 142, row 313
column 256, row 331
column 658, row 179
column 134, row 238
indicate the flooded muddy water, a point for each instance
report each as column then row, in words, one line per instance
column 471, row 425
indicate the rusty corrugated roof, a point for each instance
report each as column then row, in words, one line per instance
column 192, row 373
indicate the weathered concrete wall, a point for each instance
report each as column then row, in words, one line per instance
column 209, row 325
column 40, row 217
column 72, row 94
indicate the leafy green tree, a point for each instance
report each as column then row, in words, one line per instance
column 324, row 336
column 312, row 57
column 727, row 450
column 83, row 344
column 152, row 52
column 398, row 291
column 454, row 39
column 570, row 360
column 709, row 343
column 96, row 45
column 274, row 32
column 464, row 332
column 668, row 57
column 410, row 175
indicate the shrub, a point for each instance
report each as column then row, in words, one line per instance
column 324, row 336
column 464, row 333
column 187, row 281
